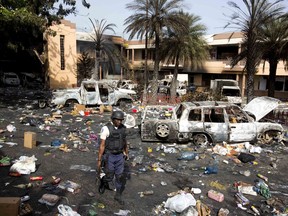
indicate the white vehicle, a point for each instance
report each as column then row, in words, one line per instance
column 228, row 89
column 165, row 84
column 10, row 79
column 127, row 84
column 91, row 93
column 205, row 122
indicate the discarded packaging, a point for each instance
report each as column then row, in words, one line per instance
column 49, row 199
column 263, row 177
column 242, row 199
column 215, row 195
column 180, row 202
column 188, row 156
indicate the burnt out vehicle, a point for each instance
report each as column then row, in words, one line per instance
column 210, row 122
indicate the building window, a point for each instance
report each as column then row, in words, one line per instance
column 62, row 52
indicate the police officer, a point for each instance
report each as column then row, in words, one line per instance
column 113, row 151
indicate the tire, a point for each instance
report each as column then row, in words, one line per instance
column 42, row 104
column 267, row 137
column 201, row 139
column 162, row 130
column 71, row 103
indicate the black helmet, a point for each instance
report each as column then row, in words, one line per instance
column 117, row 115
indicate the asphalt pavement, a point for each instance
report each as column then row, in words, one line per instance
column 154, row 170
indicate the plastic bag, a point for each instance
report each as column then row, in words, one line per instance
column 180, row 202
column 25, row 165
column 129, row 121
column 65, row 210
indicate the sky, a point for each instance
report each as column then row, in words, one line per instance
column 212, row 13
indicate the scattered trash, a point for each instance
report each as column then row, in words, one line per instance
column 122, row 212
column 245, row 172
column 245, row 158
column 223, row 212
column 180, row 202
column 215, row 195
column 188, row 156
column 217, row 185
column 65, row 210
column 262, row 177
column 36, row 178
column 211, row 169
column 196, row 190
column 202, row 209
column 11, row 128
column 241, row 199
column 80, row 167
column 49, row 199
column 5, row 161
column 144, row 193
column 69, row 186
column 25, row 165
column 255, row 210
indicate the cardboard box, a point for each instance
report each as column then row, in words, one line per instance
column 29, row 139
column 79, row 107
column 9, row 206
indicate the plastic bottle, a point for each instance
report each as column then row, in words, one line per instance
column 211, row 170
column 188, row 155
column 217, row 196
column 254, row 209
column 148, row 192
column 36, row 178
column 263, row 177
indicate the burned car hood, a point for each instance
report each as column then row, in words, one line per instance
column 261, row 106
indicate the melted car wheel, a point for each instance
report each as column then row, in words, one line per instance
column 162, row 130
column 268, row 137
column 200, row 139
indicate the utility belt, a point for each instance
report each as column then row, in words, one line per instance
column 114, row 152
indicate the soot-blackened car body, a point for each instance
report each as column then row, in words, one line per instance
column 210, row 122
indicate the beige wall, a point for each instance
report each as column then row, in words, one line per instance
column 62, row 78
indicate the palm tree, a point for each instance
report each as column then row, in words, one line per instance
column 274, row 43
column 255, row 14
column 152, row 17
column 105, row 49
column 184, row 46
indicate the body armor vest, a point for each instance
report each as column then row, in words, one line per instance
column 116, row 139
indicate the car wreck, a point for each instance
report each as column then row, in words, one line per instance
column 210, row 122
column 91, row 92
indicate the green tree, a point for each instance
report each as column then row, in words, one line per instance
column 85, row 65
column 105, row 48
column 250, row 19
column 274, row 46
column 152, row 17
column 22, row 22
column 187, row 46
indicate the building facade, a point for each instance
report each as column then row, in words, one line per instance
column 223, row 47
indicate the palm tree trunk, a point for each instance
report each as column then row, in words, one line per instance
column 144, row 100
column 250, row 83
column 95, row 74
column 154, row 96
column 174, row 81
column 272, row 76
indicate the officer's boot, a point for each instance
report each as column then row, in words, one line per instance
column 101, row 187
column 118, row 197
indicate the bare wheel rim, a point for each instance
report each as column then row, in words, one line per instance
column 200, row 139
column 162, row 130
column 266, row 137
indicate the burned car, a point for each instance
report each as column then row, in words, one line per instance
column 91, row 92
column 209, row 122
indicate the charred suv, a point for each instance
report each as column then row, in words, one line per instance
column 210, row 122
column 91, row 93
